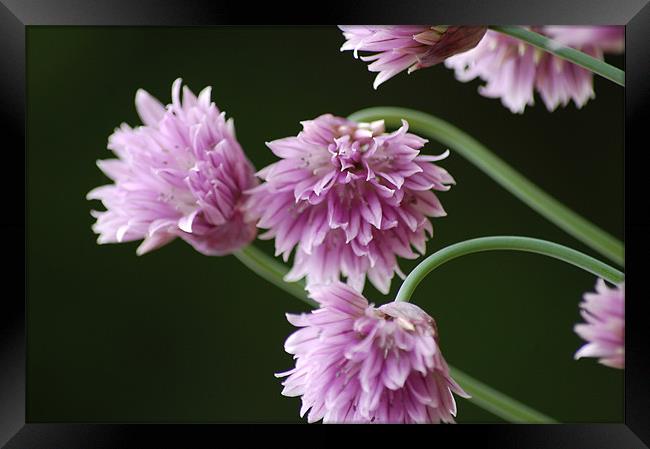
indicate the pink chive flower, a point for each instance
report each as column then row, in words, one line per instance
column 604, row 330
column 398, row 48
column 350, row 198
column 513, row 70
column 359, row 364
column 181, row 174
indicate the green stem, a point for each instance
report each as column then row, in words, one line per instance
column 502, row 173
column 273, row 271
column 570, row 54
column 498, row 403
column 510, row 243
column 482, row 395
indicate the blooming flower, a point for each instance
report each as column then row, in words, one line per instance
column 350, row 198
column 181, row 174
column 604, row 313
column 513, row 69
column 399, row 48
column 359, row 364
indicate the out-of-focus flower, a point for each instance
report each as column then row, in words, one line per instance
column 604, row 313
column 351, row 198
column 399, row 47
column 359, row 364
column 513, row 69
column 181, row 174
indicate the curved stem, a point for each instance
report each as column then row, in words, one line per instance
column 482, row 395
column 502, row 173
column 570, row 54
column 510, row 243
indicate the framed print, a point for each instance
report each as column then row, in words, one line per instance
column 229, row 224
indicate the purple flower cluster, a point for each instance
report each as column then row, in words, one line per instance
column 513, row 70
column 604, row 330
column 359, row 364
column 399, row 48
column 181, row 174
column 350, row 198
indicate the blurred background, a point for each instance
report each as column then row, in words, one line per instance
column 176, row 336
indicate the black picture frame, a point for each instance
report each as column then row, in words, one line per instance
column 16, row 15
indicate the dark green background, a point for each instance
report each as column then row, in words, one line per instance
column 176, row 336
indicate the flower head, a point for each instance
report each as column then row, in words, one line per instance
column 356, row 363
column 181, row 174
column 604, row 313
column 513, row 69
column 350, row 198
column 398, row 48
